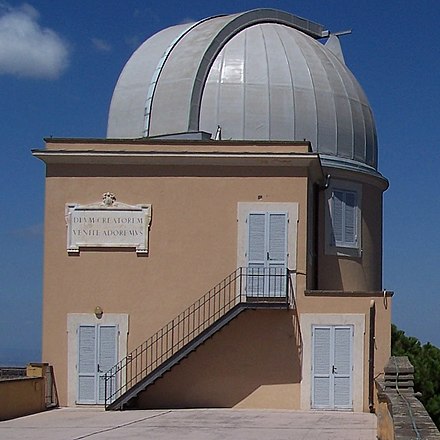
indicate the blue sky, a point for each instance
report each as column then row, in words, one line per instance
column 59, row 62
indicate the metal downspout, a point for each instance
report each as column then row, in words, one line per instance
column 317, row 189
column 372, row 341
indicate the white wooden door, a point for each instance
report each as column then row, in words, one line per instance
column 97, row 353
column 267, row 253
column 332, row 367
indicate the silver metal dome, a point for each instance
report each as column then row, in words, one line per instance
column 260, row 75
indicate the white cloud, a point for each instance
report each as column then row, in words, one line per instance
column 101, row 45
column 28, row 49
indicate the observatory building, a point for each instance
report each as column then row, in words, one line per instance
column 222, row 247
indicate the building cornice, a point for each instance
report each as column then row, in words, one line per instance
column 310, row 161
column 341, row 168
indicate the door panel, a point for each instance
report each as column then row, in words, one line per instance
column 277, row 237
column 106, row 355
column 321, row 392
column 342, row 392
column 87, row 364
column 342, row 366
column 321, row 366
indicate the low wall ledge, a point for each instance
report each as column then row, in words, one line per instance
column 410, row 419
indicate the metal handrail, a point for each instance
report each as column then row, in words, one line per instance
column 248, row 285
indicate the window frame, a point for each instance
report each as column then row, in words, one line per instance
column 343, row 247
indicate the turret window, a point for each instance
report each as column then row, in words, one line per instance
column 344, row 215
column 344, row 218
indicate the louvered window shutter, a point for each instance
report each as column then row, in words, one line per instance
column 350, row 226
column 107, row 355
column 87, row 364
column 321, row 367
column 277, row 238
column 344, row 218
column 256, row 254
column 337, row 217
column 257, row 236
column 342, row 362
column 277, row 253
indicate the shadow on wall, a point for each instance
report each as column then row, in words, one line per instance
column 255, row 350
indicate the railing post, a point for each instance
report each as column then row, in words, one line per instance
column 241, row 283
column 128, row 359
column 172, row 337
column 287, row 288
column 105, row 390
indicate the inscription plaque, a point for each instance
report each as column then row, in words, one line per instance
column 108, row 224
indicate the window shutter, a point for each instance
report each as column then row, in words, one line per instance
column 321, row 367
column 277, row 249
column 256, row 254
column 337, row 217
column 342, row 362
column 86, row 363
column 277, row 237
column 350, row 234
column 107, row 356
column 107, row 347
column 344, row 218
column 257, row 223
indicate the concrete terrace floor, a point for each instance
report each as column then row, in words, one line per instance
column 191, row 424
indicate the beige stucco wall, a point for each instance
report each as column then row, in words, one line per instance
column 20, row 397
column 193, row 245
column 253, row 362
